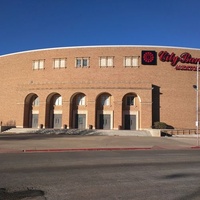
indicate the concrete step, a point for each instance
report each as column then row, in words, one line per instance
column 124, row 132
column 21, row 130
column 81, row 132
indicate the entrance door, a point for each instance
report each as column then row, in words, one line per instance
column 57, row 121
column 104, row 122
column 80, row 121
column 34, row 120
column 130, row 122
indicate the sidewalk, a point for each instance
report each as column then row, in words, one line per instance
column 44, row 143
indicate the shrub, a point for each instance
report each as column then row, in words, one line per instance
column 160, row 125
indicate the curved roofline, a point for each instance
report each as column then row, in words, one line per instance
column 96, row 46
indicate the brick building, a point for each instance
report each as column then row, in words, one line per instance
column 104, row 87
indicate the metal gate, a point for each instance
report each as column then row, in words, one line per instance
column 34, row 120
column 80, row 121
column 130, row 122
column 57, row 121
column 104, row 122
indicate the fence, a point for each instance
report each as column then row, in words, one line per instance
column 179, row 131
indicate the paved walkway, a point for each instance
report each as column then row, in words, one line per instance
column 38, row 143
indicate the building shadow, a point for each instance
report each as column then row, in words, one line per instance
column 155, row 104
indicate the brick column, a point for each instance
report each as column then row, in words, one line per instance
column 20, row 120
column 117, row 115
column 42, row 114
column 91, row 113
column 146, row 115
column 66, row 114
column 146, row 108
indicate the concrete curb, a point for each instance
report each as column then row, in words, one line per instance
column 97, row 149
column 196, row 147
column 108, row 149
column 10, row 151
column 87, row 149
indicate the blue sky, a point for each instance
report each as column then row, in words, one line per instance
column 35, row 24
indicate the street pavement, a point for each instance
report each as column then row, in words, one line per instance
column 101, row 175
column 14, row 143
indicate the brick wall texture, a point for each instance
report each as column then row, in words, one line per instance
column 161, row 92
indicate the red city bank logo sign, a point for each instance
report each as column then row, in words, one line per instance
column 185, row 58
column 149, row 57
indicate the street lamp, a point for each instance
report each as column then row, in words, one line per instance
column 197, row 106
column 196, row 87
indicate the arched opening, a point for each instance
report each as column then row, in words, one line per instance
column 78, row 111
column 31, row 111
column 104, row 111
column 54, row 111
column 130, row 111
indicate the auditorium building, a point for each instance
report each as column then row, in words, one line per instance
column 99, row 87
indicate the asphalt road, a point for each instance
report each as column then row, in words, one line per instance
column 101, row 175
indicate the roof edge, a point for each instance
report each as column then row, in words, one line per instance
column 95, row 46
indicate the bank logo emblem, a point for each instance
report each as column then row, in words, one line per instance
column 149, row 58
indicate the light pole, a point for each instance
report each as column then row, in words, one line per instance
column 197, row 106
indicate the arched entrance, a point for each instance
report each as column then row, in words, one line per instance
column 104, row 111
column 130, row 111
column 78, row 114
column 54, row 111
column 31, row 111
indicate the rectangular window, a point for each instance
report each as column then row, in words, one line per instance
column 38, row 64
column 78, row 62
column 82, row 62
column 128, row 62
column 59, row 63
column 130, row 100
column 131, row 61
column 85, row 62
column 107, row 61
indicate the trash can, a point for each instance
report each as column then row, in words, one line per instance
column 90, row 126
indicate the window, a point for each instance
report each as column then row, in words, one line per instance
column 59, row 63
column 58, row 100
column 105, row 100
column 38, row 64
column 36, row 101
column 106, row 61
column 81, row 100
column 82, row 62
column 131, row 61
column 130, row 100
